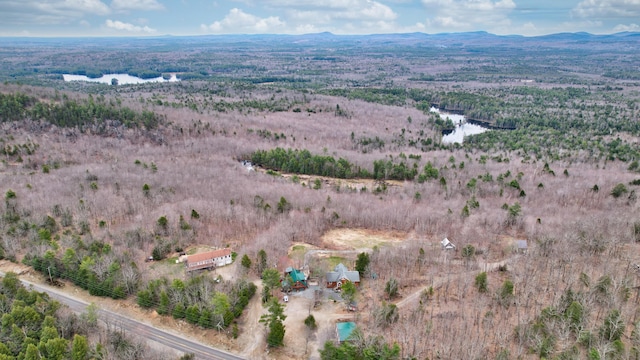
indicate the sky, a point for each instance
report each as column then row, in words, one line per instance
column 56, row 18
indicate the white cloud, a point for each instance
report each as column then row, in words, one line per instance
column 15, row 33
column 466, row 15
column 306, row 29
column 136, row 5
column 238, row 21
column 418, row 27
column 381, row 27
column 592, row 26
column 49, row 12
column 122, row 26
column 340, row 16
column 365, row 10
column 607, row 8
column 309, row 17
column 73, row 8
column 85, row 6
column 630, row 27
column 378, row 11
column 529, row 28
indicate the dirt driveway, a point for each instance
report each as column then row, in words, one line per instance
column 300, row 342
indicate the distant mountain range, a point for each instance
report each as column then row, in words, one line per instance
column 326, row 39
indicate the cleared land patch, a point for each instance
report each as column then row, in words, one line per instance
column 358, row 239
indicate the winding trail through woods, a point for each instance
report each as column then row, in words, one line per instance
column 482, row 266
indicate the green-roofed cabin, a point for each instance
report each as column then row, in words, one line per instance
column 297, row 278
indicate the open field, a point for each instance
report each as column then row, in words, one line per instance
column 347, row 160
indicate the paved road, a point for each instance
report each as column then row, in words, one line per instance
column 180, row 344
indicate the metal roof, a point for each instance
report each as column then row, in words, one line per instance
column 447, row 244
column 208, row 255
column 296, row 275
column 340, row 272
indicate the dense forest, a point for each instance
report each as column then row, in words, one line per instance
column 304, row 163
column 34, row 326
column 64, row 112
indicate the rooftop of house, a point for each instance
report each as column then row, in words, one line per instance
column 341, row 272
column 208, row 255
column 296, row 274
column 521, row 244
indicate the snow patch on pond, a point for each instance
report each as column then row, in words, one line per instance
column 247, row 165
column 461, row 130
column 123, row 79
column 457, row 136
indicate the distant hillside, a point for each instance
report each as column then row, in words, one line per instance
column 463, row 39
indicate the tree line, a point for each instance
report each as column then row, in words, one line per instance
column 34, row 326
column 304, row 163
column 93, row 268
column 30, row 329
column 200, row 300
column 73, row 113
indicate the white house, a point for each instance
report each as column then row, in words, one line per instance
column 208, row 260
column 447, row 245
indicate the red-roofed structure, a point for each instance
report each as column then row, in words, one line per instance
column 208, row 260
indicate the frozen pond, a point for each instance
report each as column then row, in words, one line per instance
column 462, row 128
column 123, row 79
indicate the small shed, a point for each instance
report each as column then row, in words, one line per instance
column 521, row 246
column 352, row 306
column 447, row 245
column 344, row 330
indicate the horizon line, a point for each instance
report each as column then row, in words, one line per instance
column 326, row 33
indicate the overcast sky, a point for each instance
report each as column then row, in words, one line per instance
column 199, row 17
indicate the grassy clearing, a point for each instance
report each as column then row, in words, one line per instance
column 335, row 260
column 362, row 238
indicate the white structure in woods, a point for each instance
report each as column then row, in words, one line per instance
column 521, row 246
column 447, row 245
column 208, row 260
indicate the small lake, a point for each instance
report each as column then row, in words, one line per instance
column 462, row 128
column 123, row 79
